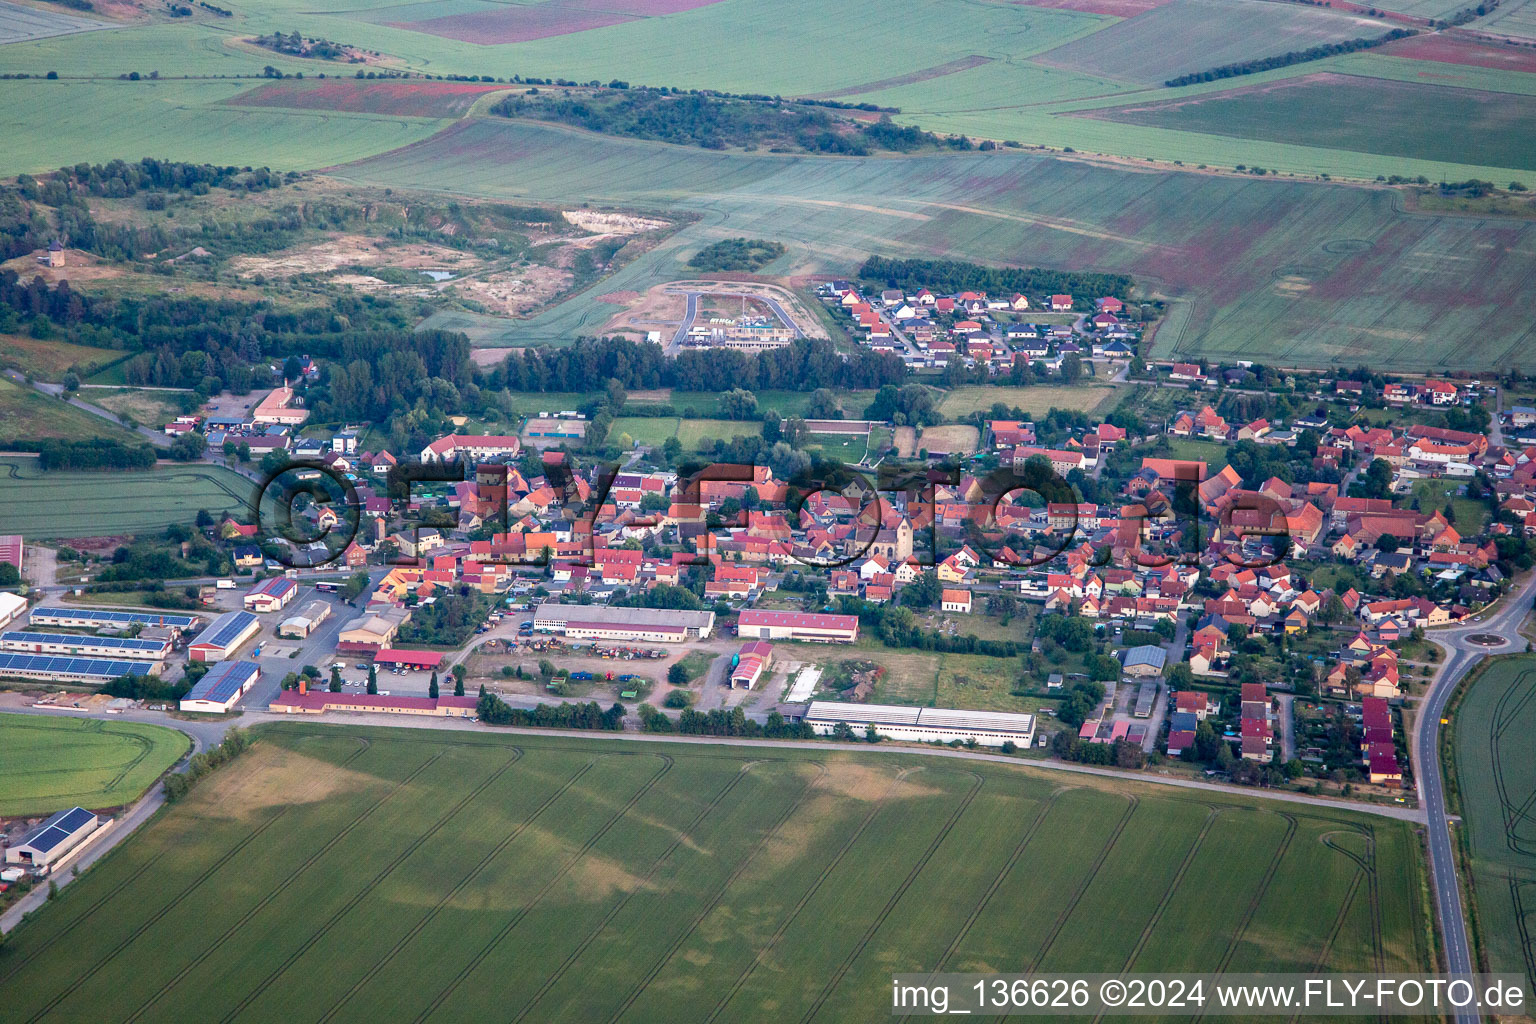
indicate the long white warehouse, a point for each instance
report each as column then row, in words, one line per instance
column 73, row 644
column 600, row 622
column 924, row 725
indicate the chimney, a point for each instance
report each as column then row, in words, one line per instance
column 303, row 685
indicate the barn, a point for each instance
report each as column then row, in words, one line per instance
column 271, row 595
column 49, row 842
column 798, row 626
column 221, row 687
column 923, row 725
column 749, row 663
column 74, row 644
column 108, row 618
column 223, row 636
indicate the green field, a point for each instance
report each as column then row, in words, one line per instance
column 31, row 415
column 653, row 431
column 1035, row 401
column 1496, row 782
column 83, row 504
column 1287, row 272
column 50, row 764
column 460, row 876
column 1408, row 119
column 50, row 360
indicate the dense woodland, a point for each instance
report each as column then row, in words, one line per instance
column 945, row 276
column 736, row 255
column 715, row 122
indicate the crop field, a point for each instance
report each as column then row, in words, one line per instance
column 1430, row 122
column 1496, row 782
column 465, row 876
column 406, row 99
column 51, row 124
column 1185, row 36
column 51, row 764
column 49, row 360
column 1442, row 49
column 1036, row 401
column 1515, row 18
column 84, row 504
column 1296, row 273
column 25, row 413
column 18, row 23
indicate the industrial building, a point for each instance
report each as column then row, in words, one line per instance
column 13, row 549
column 221, row 687
column 306, row 621
column 293, row 702
column 223, row 636
column 271, row 595
column 923, row 725
column 56, row 668
column 1146, row 660
column 78, row 646
column 394, row 657
column 625, row 625
column 749, row 664
column 109, row 618
column 367, row 634
column 51, row 841
column 11, row 607
column 798, row 626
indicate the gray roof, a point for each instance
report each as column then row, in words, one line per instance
column 1147, row 654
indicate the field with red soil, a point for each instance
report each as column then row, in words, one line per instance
column 403, row 98
column 1455, row 51
column 1115, row 8
column 513, row 24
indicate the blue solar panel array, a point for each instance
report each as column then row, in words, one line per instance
column 57, row 829
column 61, row 664
column 69, row 639
column 223, row 681
column 107, row 617
column 222, row 630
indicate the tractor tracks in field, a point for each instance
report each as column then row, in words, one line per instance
column 565, row 868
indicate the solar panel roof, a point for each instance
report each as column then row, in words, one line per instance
column 105, row 615
column 74, row 818
column 120, row 643
column 56, row 829
column 223, row 681
column 225, row 628
column 107, row 668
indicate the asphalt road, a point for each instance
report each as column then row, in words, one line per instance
column 154, row 437
column 682, row 331
column 1461, row 657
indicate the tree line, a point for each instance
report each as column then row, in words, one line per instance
column 1311, row 53
column 492, row 710
column 97, row 453
column 945, row 276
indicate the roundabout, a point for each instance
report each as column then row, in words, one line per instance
column 1487, row 640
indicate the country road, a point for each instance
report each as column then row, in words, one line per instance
column 1461, row 656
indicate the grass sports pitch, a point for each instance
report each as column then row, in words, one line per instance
column 1496, row 780
column 346, row 874
column 50, row 764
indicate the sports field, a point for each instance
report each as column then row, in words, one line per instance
column 1292, row 272
column 83, row 504
column 344, row 874
column 1430, row 122
column 50, row 763
column 653, row 431
column 1036, row 401
column 1496, row 782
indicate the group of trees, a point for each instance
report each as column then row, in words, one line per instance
column 494, row 711
column 719, row 722
column 450, row 620
column 714, row 121
column 944, row 276
column 736, row 254
column 96, row 453
column 588, row 365
column 1311, row 53
column 236, row 742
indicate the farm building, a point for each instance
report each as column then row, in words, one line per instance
column 799, row 626
column 1146, row 660
column 293, row 702
column 223, row 684
column 367, row 634
column 109, row 618
column 394, row 657
column 749, row 663
column 49, row 842
column 85, row 646
column 11, row 607
column 989, row 728
column 271, row 595
column 277, row 408
column 223, row 636
column 597, row 622
column 11, row 548
column 306, row 621
column 55, row 668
